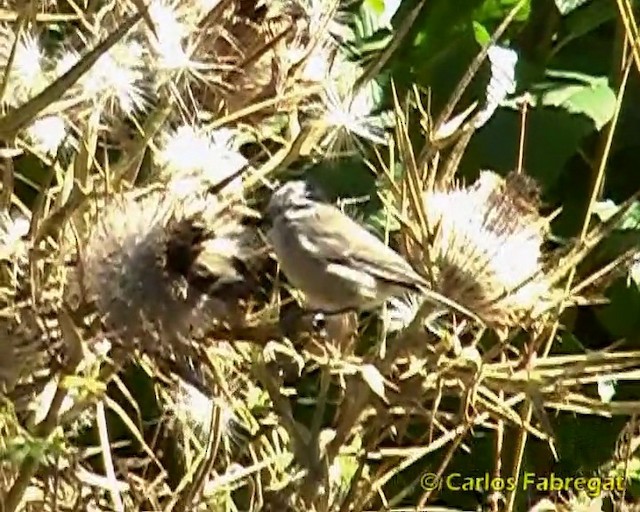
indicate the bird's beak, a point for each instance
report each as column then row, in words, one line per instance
column 219, row 186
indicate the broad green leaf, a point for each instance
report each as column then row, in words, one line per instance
column 566, row 6
column 376, row 6
column 377, row 14
column 381, row 221
column 582, row 21
column 543, row 129
column 620, row 316
column 604, row 210
column 496, row 10
column 482, row 34
column 576, row 93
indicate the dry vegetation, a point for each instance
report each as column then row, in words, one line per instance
column 130, row 382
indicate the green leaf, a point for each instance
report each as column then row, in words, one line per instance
column 576, row 93
column 604, row 210
column 497, row 10
column 377, row 14
column 585, row 20
column 543, row 129
column 566, row 6
column 482, row 34
column 377, row 6
column 381, row 221
column 620, row 316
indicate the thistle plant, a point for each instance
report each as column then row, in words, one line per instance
column 148, row 360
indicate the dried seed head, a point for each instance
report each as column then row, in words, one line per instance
column 139, row 265
column 191, row 159
column 349, row 113
column 47, row 134
column 487, row 246
column 173, row 48
column 27, row 73
column 118, row 81
column 13, row 229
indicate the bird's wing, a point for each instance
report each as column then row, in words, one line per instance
column 342, row 240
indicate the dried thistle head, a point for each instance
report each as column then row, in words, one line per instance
column 487, row 247
column 48, row 133
column 118, row 83
column 27, row 72
column 261, row 50
column 13, row 229
column 143, row 266
column 185, row 155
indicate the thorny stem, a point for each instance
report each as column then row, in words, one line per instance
column 528, row 410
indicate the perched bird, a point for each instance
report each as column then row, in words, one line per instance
column 334, row 261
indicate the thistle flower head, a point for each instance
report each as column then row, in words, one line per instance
column 349, row 113
column 47, row 134
column 192, row 159
column 151, row 265
column 172, row 45
column 125, row 270
column 488, row 246
column 117, row 81
column 27, row 73
column 12, row 231
column 317, row 65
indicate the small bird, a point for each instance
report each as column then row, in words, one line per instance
column 338, row 264
column 211, row 260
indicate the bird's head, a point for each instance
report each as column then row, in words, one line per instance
column 293, row 196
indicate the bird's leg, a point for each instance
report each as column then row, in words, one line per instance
column 319, row 323
column 322, row 317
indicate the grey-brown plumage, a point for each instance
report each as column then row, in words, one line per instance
column 334, row 261
column 192, row 252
